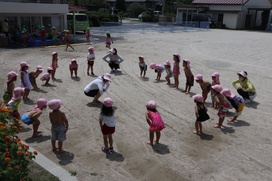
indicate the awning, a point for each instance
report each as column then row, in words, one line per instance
column 74, row 8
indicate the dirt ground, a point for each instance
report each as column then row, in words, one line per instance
column 238, row 151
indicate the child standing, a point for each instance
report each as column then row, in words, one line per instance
column 11, row 78
column 90, row 60
column 223, row 105
column 189, row 76
column 43, row 35
column 87, row 35
column 32, row 116
column 109, row 40
column 15, row 101
column 33, row 75
column 107, row 124
column 73, row 66
column 142, row 66
column 59, row 124
column 205, row 86
column 54, row 64
column 158, row 69
column 200, row 112
column 46, row 76
column 154, row 121
column 55, row 36
column 215, row 81
column 67, row 37
column 25, row 82
column 236, row 101
column 167, row 66
column 176, row 69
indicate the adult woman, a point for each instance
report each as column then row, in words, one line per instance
column 113, row 59
column 247, row 89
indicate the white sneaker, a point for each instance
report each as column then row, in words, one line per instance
column 247, row 101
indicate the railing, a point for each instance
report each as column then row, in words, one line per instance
column 37, row 1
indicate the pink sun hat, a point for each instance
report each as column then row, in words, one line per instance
column 216, row 75
column 108, row 102
column 198, row 77
column 243, row 74
column 168, row 63
column 141, row 57
column 91, row 48
column 11, row 75
column 198, row 98
column 177, row 55
column 154, row 66
column 41, row 103
column 17, row 93
column 107, row 76
column 227, row 93
column 54, row 104
column 187, row 63
column 53, row 53
column 112, row 50
column 217, row 88
column 39, row 68
column 151, row 104
column 49, row 68
column 22, row 65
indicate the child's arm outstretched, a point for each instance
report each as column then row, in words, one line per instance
column 196, row 112
column 147, row 119
column 64, row 119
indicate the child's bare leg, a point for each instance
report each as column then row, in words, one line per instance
column 35, row 124
column 26, row 93
column 88, row 70
column 220, row 122
column 204, row 94
column 53, row 143
column 76, row 73
column 92, row 70
column 144, row 73
column 233, row 119
column 185, row 90
column 105, row 138
column 60, row 143
column 151, row 138
column 53, row 74
column 189, row 89
column 196, row 128
column 71, row 72
column 168, row 80
column 200, row 128
column 158, row 136
column 46, row 82
column 141, row 73
column 96, row 97
column 110, row 140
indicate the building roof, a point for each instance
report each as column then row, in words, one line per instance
column 76, row 8
column 221, row 2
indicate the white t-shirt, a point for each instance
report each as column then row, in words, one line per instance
column 108, row 120
column 97, row 84
column 91, row 56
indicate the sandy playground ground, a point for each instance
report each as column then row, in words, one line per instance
column 238, row 151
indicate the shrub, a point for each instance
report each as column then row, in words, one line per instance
column 14, row 155
column 147, row 18
column 94, row 21
column 134, row 9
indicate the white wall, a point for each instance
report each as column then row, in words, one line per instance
column 258, row 3
column 230, row 20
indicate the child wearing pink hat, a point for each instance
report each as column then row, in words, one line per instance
column 167, row 66
column 236, row 101
column 176, row 69
column 46, row 76
column 90, row 60
column 59, row 124
column 142, row 66
column 33, row 75
column 73, row 66
column 223, row 105
column 200, row 112
column 205, row 86
column 215, row 81
column 107, row 124
column 158, row 69
column 32, row 116
column 11, row 78
column 54, row 64
column 25, row 82
column 13, row 104
column 154, row 121
column 189, row 76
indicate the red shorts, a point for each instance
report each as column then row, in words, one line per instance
column 107, row 130
column 90, row 63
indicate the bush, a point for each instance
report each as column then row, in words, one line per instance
column 147, row 18
column 14, row 155
column 134, row 9
column 113, row 17
column 94, row 21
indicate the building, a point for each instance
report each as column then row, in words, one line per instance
column 232, row 14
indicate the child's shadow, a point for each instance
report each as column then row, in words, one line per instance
column 76, row 78
column 37, row 139
column 98, row 104
column 28, row 102
column 239, row 123
column 115, row 156
column 58, row 80
column 161, row 149
column 159, row 81
column 39, row 90
column 48, row 85
column 227, row 130
column 205, row 136
column 65, row 157
column 252, row 104
column 145, row 79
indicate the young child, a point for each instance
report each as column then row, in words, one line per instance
column 11, row 78
column 67, row 38
column 189, row 76
column 215, row 81
column 223, row 105
column 73, row 66
column 167, row 66
column 46, row 76
column 200, row 112
column 158, row 69
column 43, row 35
column 109, row 40
column 154, row 121
column 236, row 101
column 59, row 124
column 33, row 75
column 25, row 82
column 142, row 66
column 55, row 36
column 54, row 64
column 90, row 60
column 15, row 101
column 32, row 116
column 176, row 69
column 87, row 35
column 107, row 124
column 205, row 86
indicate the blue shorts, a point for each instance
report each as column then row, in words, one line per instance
column 26, row 119
column 58, row 132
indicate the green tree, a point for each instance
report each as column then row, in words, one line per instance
column 120, row 5
column 134, row 9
